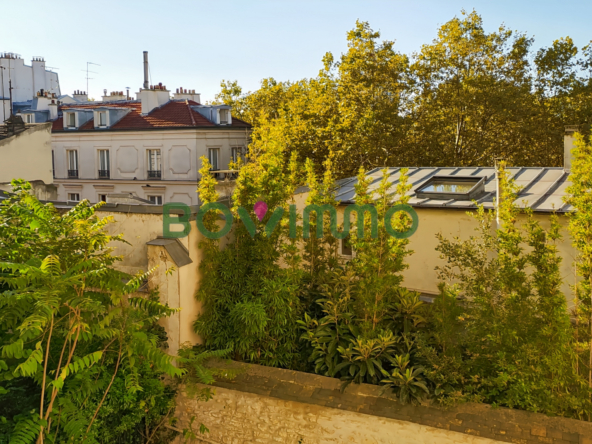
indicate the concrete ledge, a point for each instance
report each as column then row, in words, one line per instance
column 501, row 424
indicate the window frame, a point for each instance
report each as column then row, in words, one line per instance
column 156, row 197
column 210, row 158
column 233, row 153
column 224, row 112
column 104, row 173
column 71, row 116
column 475, row 192
column 102, row 115
column 69, row 158
column 341, row 253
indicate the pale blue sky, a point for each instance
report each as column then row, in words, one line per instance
column 195, row 44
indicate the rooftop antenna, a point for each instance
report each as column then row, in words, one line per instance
column 87, row 71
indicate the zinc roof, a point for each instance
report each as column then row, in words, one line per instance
column 541, row 189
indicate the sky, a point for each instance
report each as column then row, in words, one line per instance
column 196, row 44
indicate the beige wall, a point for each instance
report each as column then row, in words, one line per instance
column 180, row 154
column 27, row 155
column 176, row 288
column 238, row 417
column 269, row 405
column 422, row 275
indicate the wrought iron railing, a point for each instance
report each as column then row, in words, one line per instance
column 154, row 175
column 72, row 174
column 104, row 174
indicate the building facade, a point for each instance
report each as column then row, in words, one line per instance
column 26, row 81
column 149, row 147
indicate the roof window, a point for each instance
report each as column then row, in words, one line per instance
column 452, row 187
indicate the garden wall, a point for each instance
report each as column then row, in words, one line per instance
column 269, row 405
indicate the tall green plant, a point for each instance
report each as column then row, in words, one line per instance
column 250, row 302
column 365, row 331
column 68, row 319
column 580, row 227
column 513, row 341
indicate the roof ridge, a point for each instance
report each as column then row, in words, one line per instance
column 190, row 111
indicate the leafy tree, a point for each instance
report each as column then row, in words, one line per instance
column 472, row 96
column 75, row 339
column 462, row 100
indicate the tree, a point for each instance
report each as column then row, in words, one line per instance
column 67, row 317
column 464, row 99
column 472, row 98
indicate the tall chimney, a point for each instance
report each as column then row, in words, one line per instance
column 568, row 141
column 145, row 69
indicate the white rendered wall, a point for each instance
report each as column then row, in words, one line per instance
column 180, row 153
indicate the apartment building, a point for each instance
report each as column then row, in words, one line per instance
column 20, row 83
column 149, row 147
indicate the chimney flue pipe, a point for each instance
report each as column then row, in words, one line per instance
column 145, row 69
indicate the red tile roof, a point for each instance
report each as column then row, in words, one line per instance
column 175, row 114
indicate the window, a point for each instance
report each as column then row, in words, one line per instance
column 103, row 118
column 74, row 197
column 214, row 157
column 346, row 247
column 154, row 166
column 71, row 120
column 223, row 117
column 236, row 152
column 155, row 200
column 72, row 163
column 29, row 119
column 452, row 187
column 104, row 165
column 102, row 198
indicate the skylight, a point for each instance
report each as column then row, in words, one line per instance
column 452, row 187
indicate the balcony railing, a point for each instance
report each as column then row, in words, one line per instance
column 72, row 174
column 154, row 175
column 224, row 174
column 104, row 174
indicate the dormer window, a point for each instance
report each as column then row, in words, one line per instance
column 223, row 117
column 71, row 120
column 102, row 118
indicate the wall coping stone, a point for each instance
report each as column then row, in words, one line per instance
column 502, row 424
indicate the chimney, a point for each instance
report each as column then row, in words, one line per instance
column 184, row 94
column 154, row 97
column 53, row 110
column 145, row 69
column 568, row 142
column 80, row 96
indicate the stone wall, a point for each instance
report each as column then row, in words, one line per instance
column 267, row 405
